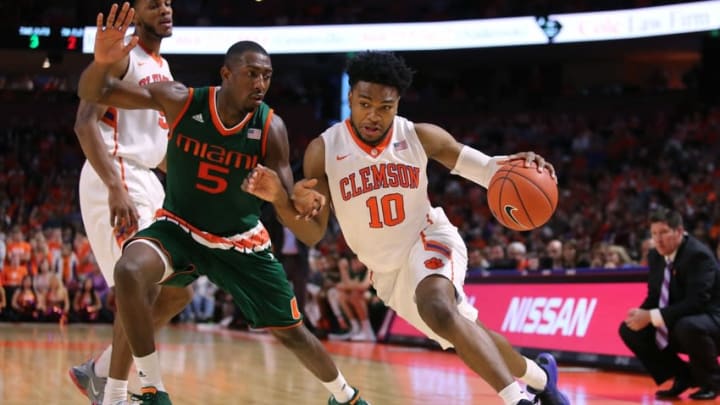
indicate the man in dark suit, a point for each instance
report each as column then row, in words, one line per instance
column 681, row 313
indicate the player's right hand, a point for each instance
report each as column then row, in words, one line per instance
column 110, row 44
column 123, row 214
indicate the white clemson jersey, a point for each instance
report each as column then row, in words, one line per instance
column 138, row 135
column 379, row 194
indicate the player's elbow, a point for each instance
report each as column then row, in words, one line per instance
column 82, row 128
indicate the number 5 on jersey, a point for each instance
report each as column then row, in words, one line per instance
column 208, row 174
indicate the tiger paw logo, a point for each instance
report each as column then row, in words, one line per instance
column 434, row 263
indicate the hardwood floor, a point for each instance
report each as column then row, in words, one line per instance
column 216, row 366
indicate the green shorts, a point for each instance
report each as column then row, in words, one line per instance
column 256, row 281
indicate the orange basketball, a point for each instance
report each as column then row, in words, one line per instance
column 520, row 198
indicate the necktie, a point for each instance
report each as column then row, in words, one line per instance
column 661, row 334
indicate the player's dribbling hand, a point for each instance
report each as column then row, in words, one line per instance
column 110, row 44
column 529, row 158
column 307, row 201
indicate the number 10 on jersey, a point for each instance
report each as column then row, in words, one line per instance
column 388, row 210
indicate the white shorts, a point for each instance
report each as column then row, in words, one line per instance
column 440, row 252
column 145, row 190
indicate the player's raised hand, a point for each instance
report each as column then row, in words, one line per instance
column 308, row 202
column 110, row 44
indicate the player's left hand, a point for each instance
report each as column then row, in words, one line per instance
column 110, row 44
column 529, row 158
column 306, row 200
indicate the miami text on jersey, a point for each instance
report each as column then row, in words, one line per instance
column 215, row 153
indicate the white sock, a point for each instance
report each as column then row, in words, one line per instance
column 148, row 368
column 134, row 384
column 115, row 391
column 354, row 326
column 367, row 327
column 340, row 389
column 102, row 363
column 534, row 376
column 512, row 394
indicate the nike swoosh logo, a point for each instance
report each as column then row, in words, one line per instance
column 95, row 392
column 341, row 157
column 510, row 211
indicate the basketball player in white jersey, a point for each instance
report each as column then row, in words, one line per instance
column 372, row 168
column 119, row 193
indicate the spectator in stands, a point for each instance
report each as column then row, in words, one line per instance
column 66, row 266
column 41, row 280
column 202, row 307
column 570, row 256
column 497, row 260
column 681, row 313
column 56, row 300
column 533, row 263
column 18, row 247
column 86, row 305
column 26, row 305
column 13, row 275
column 553, row 255
column 617, row 257
column 598, row 254
column 354, row 288
column 476, row 259
column 517, row 252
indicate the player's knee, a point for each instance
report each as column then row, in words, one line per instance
column 439, row 315
column 127, row 273
column 292, row 338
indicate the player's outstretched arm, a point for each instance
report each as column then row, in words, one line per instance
column 467, row 161
column 98, row 85
column 110, row 47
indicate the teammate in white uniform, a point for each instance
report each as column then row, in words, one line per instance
column 119, row 193
column 372, row 168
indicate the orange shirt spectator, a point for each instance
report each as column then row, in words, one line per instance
column 67, row 265
column 14, row 272
column 17, row 246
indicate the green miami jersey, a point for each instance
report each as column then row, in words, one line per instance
column 208, row 162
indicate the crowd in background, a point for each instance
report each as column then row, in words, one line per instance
column 614, row 166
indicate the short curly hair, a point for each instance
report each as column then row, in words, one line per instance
column 380, row 67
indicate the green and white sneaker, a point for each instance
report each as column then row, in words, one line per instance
column 355, row 400
column 151, row 396
column 88, row 382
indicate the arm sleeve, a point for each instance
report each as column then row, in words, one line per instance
column 476, row 166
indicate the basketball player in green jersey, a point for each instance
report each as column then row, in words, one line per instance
column 208, row 224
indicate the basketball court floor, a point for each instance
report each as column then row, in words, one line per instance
column 216, row 366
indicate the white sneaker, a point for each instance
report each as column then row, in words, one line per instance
column 363, row 337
